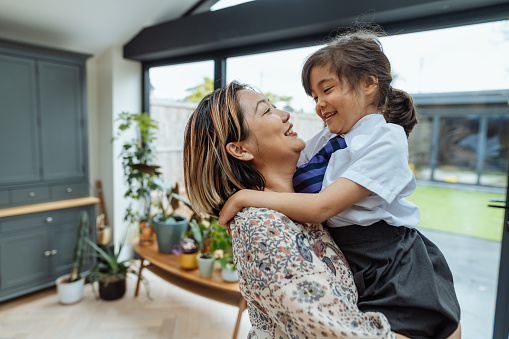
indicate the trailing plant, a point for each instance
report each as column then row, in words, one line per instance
column 79, row 247
column 138, row 162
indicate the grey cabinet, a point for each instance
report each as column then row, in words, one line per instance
column 43, row 158
column 36, row 248
column 43, row 139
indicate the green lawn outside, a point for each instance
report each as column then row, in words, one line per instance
column 457, row 211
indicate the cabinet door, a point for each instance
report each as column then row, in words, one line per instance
column 63, row 237
column 23, row 258
column 19, row 153
column 61, row 119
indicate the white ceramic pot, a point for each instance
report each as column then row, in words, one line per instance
column 228, row 275
column 69, row 293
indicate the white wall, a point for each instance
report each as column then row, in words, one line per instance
column 114, row 86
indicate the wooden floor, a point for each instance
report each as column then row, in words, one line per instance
column 172, row 313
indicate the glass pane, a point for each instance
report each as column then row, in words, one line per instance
column 419, row 147
column 496, row 153
column 457, row 150
column 175, row 93
column 448, row 152
column 277, row 75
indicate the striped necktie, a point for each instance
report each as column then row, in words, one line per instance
column 309, row 177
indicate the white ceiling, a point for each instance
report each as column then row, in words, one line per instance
column 87, row 26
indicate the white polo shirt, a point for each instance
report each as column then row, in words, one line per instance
column 376, row 157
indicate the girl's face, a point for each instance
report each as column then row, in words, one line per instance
column 339, row 106
column 271, row 139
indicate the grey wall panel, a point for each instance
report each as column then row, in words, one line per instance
column 19, row 155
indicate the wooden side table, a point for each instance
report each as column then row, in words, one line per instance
column 167, row 267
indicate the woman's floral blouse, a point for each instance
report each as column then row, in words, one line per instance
column 296, row 281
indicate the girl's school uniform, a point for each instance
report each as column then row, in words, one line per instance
column 397, row 270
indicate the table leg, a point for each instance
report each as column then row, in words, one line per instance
column 242, row 307
column 139, row 278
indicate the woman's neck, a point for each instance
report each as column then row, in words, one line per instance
column 279, row 181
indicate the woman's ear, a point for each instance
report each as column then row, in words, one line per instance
column 236, row 150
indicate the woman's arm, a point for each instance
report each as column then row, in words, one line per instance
column 294, row 287
column 303, row 207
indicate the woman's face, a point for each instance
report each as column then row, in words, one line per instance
column 271, row 139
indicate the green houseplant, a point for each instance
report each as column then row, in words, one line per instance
column 170, row 227
column 70, row 287
column 110, row 272
column 221, row 240
column 201, row 233
column 139, row 169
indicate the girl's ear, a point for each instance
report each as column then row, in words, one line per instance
column 370, row 84
column 236, row 150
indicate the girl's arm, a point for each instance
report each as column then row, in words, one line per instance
column 302, row 207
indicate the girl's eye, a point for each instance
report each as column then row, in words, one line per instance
column 267, row 110
column 315, row 99
column 327, row 89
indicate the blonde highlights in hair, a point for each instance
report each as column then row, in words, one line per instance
column 211, row 174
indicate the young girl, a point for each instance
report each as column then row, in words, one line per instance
column 397, row 270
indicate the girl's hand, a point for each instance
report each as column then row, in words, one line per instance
column 230, row 209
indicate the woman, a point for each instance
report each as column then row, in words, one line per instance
column 294, row 278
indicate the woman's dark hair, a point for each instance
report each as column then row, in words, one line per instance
column 211, row 174
column 354, row 56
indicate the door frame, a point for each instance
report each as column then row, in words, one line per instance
column 501, row 325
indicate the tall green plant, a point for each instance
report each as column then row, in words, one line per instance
column 79, row 247
column 138, row 162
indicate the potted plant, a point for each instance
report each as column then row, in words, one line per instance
column 139, row 170
column 70, row 287
column 188, row 251
column 223, row 241
column 170, row 227
column 201, row 233
column 110, row 272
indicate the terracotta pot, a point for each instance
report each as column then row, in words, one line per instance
column 147, row 232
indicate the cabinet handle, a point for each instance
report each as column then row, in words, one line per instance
column 53, row 252
column 68, row 190
column 47, row 253
column 49, row 219
column 31, row 194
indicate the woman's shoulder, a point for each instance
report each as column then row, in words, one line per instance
column 254, row 214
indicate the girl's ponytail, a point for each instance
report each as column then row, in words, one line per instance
column 400, row 109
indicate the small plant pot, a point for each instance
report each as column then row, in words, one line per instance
column 147, row 232
column 188, row 261
column 228, row 275
column 169, row 234
column 206, row 266
column 69, row 293
column 115, row 289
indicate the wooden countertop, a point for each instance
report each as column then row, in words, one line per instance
column 48, row 206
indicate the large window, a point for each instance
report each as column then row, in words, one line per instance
column 175, row 91
column 459, row 150
column 277, row 75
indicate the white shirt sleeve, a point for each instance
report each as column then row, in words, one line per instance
column 379, row 162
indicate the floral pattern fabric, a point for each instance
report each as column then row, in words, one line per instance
column 296, row 281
